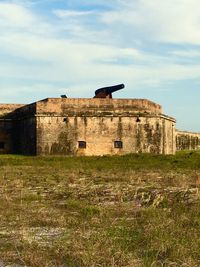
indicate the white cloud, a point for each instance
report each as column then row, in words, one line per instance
column 63, row 51
column 172, row 21
column 15, row 15
column 46, row 55
column 71, row 13
column 80, row 63
column 16, row 18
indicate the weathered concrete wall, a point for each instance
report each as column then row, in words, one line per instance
column 8, row 109
column 169, row 136
column 60, row 135
column 6, row 127
column 104, row 126
column 25, row 111
column 24, row 136
column 137, row 123
column 6, row 142
column 96, row 106
column 17, row 129
column 24, row 130
column 187, row 140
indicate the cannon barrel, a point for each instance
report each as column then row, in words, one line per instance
column 106, row 92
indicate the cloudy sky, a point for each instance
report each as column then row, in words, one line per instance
column 54, row 47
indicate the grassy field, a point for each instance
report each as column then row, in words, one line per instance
column 133, row 210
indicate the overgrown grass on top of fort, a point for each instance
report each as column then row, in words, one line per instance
column 130, row 211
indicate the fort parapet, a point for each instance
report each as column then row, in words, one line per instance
column 8, row 109
column 96, row 106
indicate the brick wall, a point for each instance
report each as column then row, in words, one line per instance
column 187, row 140
column 61, row 135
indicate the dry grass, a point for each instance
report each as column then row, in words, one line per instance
column 136, row 210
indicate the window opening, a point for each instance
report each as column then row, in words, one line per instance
column 118, row 144
column 81, row 144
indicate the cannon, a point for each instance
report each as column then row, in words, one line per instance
column 106, row 92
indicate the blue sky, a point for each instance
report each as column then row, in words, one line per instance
column 54, row 47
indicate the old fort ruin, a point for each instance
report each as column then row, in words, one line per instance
column 96, row 126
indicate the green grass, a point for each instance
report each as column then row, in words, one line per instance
column 182, row 160
column 133, row 210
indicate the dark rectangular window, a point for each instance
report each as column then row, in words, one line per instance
column 2, row 145
column 81, row 144
column 118, row 144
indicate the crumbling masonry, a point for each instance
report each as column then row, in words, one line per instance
column 96, row 126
